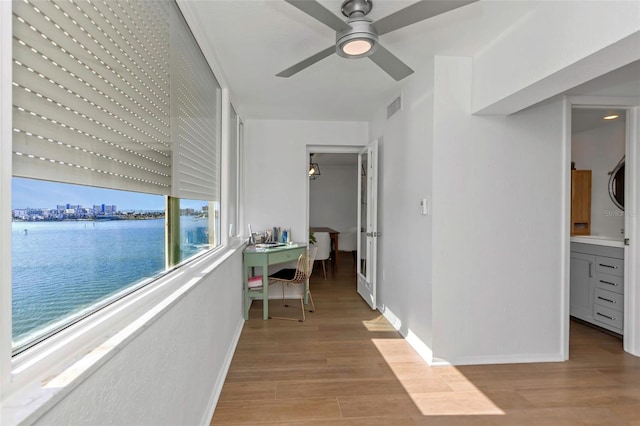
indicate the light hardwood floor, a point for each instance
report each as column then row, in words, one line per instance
column 347, row 366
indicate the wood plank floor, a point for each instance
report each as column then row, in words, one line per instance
column 347, row 366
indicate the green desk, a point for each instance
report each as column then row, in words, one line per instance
column 253, row 257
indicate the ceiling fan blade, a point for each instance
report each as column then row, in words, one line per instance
column 417, row 12
column 390, row 63
column 321, row 13
column 307, row 62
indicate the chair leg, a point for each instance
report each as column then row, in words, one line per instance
column 324, row 270
column 287, row 306
column 313, row 306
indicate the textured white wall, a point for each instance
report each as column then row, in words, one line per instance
column 497, row 227
column 599, row 150
column 333, row 197
column 276, row 168
column 168, row 374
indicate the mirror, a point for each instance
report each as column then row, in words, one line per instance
column 616, row 185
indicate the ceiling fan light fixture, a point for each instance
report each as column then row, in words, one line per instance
column 356, row 47
column 357, row 42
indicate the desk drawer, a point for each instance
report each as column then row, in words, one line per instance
column 285, row 256
column 609, row 265
column 609, row 299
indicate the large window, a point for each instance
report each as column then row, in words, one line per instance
column 116, row 118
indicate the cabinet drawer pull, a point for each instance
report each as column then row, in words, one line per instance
column 608, row 282
column 608, row 266
column 606, row 300
column 606, row 316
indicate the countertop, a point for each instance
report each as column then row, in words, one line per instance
column 599, row 240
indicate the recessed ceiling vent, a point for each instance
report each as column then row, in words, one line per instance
column 394, row 106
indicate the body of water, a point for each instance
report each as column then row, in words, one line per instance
column 61, row 268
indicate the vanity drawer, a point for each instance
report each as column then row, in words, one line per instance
column 610, row 283
column 609, row 265
column 607, row 316
column 609, row 299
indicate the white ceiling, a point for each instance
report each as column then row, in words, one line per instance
column 253, row 40
column 623, row 82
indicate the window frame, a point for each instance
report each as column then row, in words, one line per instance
column 122, row 319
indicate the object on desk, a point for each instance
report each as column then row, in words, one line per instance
column 251, row 239
column 293, row 282
column 269, row 245
column 255, row 282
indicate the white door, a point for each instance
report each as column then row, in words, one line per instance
column 368, row 222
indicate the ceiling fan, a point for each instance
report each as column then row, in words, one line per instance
column 358, row 36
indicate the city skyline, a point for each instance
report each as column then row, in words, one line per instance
column 32, row 193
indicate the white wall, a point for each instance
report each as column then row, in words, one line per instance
column 404, row 289
column 333, row 197
column 276, row 168
column 171, row 373
column 600, row 150
column 632, row 230
column 556, row 46
column 497, row 227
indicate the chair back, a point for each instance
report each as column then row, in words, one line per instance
column 348, row 240
column 304, row 268
column 323, row 244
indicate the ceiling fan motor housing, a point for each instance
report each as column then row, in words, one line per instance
column 361, row 29
column 349, row 7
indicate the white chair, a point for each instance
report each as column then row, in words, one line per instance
column 348, row 241
column 323, row 243
column 293, row 283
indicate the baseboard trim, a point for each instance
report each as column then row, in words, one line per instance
column 414, row 341
column 425, row 352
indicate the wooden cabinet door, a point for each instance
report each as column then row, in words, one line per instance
column 581, row 202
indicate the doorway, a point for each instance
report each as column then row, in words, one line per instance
column 332, row 198
column 600, row 264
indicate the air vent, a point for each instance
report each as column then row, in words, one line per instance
column 394, row 106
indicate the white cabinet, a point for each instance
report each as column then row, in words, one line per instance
column 582, row 283
column 597, row 285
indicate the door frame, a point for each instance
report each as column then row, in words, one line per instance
column 631, row 338
column 327, row 149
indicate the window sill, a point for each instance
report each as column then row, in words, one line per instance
column 46, row 373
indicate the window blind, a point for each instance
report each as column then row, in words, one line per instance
column 95, row 85
column 196, row 98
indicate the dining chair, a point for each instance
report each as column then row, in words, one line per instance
column 293, row 283
column 323, row 243
column 348, row 242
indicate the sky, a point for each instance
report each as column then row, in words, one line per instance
column 43, row 194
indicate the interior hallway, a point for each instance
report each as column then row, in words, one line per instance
column 347, row 366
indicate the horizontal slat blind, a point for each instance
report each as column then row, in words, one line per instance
column 195, row 106
column 91, row 93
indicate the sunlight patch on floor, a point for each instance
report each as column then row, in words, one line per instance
column 431, row 388
column 379, row 323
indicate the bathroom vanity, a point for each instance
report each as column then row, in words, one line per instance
column 597, row 281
